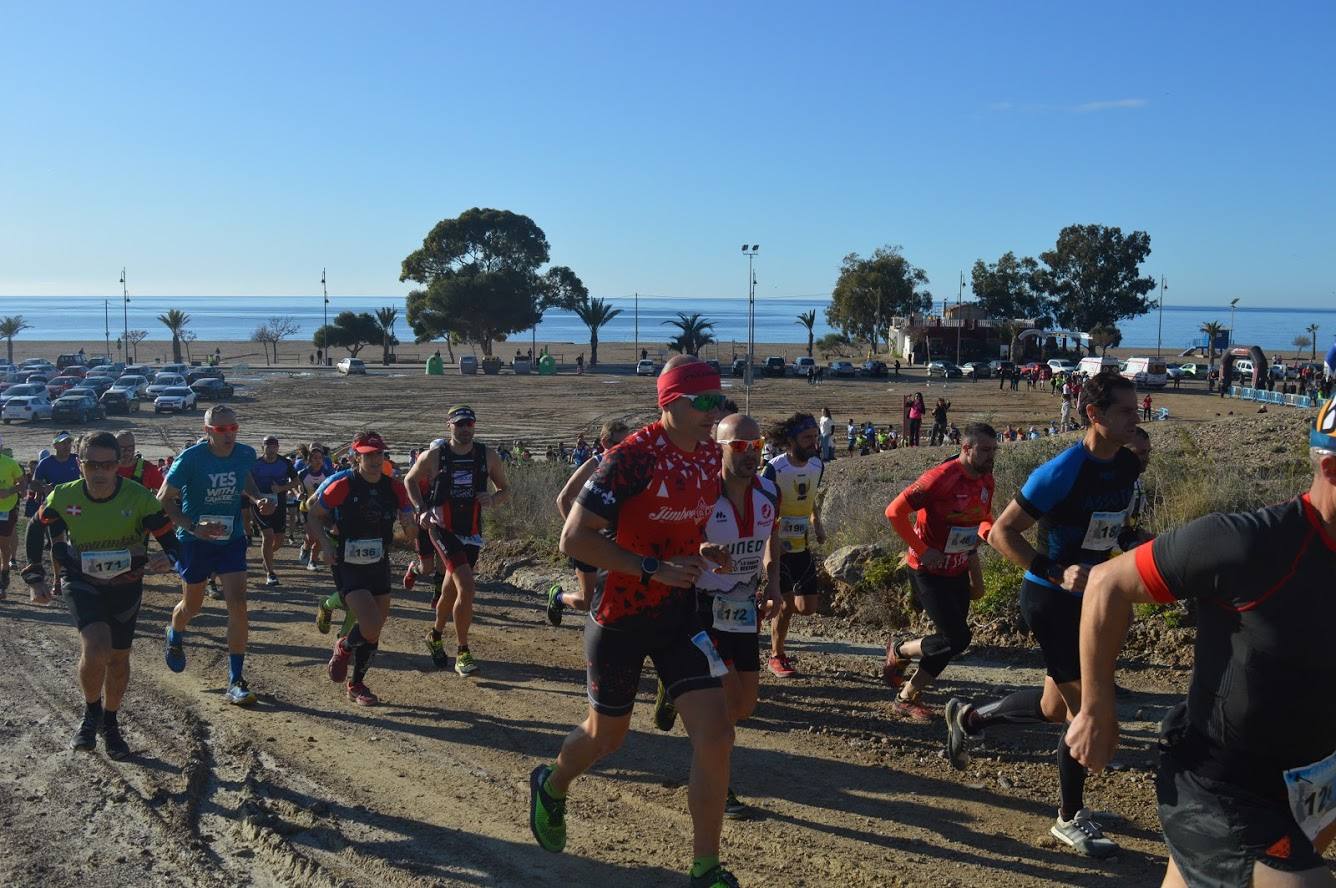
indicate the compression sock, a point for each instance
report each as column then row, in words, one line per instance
column 349, row 621
column 1018, row 708
column 1071, row 781
column 702, row 865
column 362, row 657
column 234, row 664
column 355, row 639
column 109, row 719
column 549, row 788
column 435, row 634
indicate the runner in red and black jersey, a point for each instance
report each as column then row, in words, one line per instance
column 457, row 472
column 953, row 507
column 660, row 487
column 1247, row 778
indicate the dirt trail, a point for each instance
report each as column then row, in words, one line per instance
column 431, row 787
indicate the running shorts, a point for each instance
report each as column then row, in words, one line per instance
column 1054, row 616
column 615, row 659
column 583, row 568
column 117, row 606
column 277, row 521
column 424, row 546
column 374, row 578
column 741, row 650
column 201, row 559
column 453, row 551
column 797, row 574
column 8, row 521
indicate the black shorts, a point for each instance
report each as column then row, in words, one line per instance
column 1216, row 831
column 616, row 657
column 581, row 567
column 424, row 547
column 117, row 606
column 797, row 573
column 453, row 551
column 374, row 578
column 8, row 521
column 741, row 650
column 277, row 521
column 1054, row 616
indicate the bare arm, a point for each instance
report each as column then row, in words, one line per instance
column 319, row 520
column 1008, row 538
column 566, row 498
column 496, row 473
column 170, row 498
column 775, row 600
column 582, row 539
column 424, row 469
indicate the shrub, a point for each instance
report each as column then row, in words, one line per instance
column 531, row 513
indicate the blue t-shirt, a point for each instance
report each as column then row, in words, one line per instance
column 1081, row 505
column 1331, row 357
column 267, row 474
column 51, row 471
column 212, row 485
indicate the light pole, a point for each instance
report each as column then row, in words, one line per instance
column 960, row 315
column 106, row 320
column 1233, row 304
column 637, row 326
column 1159, row 334
column 325, row 290
column 750, row 252
column 125, row 313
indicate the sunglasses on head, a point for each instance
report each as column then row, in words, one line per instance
column 744, row 445
column 100, row 464
column 230, row 427
column 705, row 403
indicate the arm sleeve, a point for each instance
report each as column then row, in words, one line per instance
column 623, row 473
column 1193, row 561
column 332, row 494
column 898, row 514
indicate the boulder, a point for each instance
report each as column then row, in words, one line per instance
column 845, row 564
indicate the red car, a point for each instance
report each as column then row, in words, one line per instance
column 56, row 387
column 1030, row 369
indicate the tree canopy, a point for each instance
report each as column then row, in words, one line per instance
column 595, row 313
column 351, row 330
column 693, row 333
column 1006, row 288
column 1092, row 276
column 870, row 291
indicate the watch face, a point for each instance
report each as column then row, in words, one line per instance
column 649, row 565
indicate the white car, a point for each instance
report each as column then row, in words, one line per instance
column 175, row 399
column 22, row 390
column 1061, row 365
column 351, row 367
column 164, row 381
column 132, row 384
column 29, row 407
column 646, row 368
column 182, row 369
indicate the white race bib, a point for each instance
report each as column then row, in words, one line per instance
column 1312, row 792
column 364, row 551
column 226, row 522
column 1102, row 534
column 105, row 564
column 791, row 528
column 735, row 615
column 962, row 539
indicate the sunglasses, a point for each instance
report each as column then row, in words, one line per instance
column 705, row 403
column 100, row 464
column 744, row 445
column 231, row 427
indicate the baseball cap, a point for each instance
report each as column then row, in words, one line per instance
column 62, row 436
column 462, row 413
column 368, row 442
column 1323, row 433
column 271, row 439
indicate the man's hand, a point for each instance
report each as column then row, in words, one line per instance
column 424, row 519
column 1093, row 738
column 485, row 498
column 772, row 605
column 679, row 574
column 717, row 554
column 266, row 505
column 932, row 558
column 1074, row 577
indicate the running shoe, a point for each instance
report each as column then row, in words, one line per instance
column 117, row 749
column 240, row 694
column 893, row 671
column 912, row 709
column 555, row 606
column 360, row 694
column 410, row 577
column 1083, row 835
column 665, row 713
column 734, row 809
column 780, row 667
column 465, row 664
column 304, row 554
column 436, row 647
column 338, row 661
column 85, row 739
column 271, row 580
column 215, row 591
column 715, row 878
column 547, row 815
column 323, row 617
column 312, row 566
column 176, row 653
column 957, row 735
column 57, row 589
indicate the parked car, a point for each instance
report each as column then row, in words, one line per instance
column 117, row 368
column 98, row 384
column 774, row 366
column 77, row 408
column 176, row 399
column 1193, row 370
column 39, row 377
column 131, row 383
column 944, row 369
column 78, row 371
column 198, row 373
column 351, row 367
column 1061, row 365
column 164, row 381
column 713, row 365
column 119, row 401
column 56, row 387
column 213, row 389
column 874, row 368
column 1001, row 367
column 72, row 360
column 29, row 407
column 1093, row 366
column 1031, row 369
column 98, row 361
column 143, row 370
column 842, row 369
column 739, row 367
column 976, row 369
column 182, row 369
column 646, row 368
column 80, row 390
column 802, row 364
column 34, row 364
column 23, row 390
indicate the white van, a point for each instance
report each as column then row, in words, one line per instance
column 1093, row 366
column 1146, row 372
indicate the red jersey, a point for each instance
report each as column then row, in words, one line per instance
column 143, row 471
column 954, row 514
column 659, row 497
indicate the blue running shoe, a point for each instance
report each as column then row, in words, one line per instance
column 176, row 654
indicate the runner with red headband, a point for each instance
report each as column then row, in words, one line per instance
column 660, row 487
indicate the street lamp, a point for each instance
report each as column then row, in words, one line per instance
column 125, row 312
column 1233, row 303
column 325, row 291
column 750, row 253
column 1160, row 332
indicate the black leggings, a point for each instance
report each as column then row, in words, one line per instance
column 946, row 600
column 915, row 425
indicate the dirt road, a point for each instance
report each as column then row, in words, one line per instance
column 430, row 788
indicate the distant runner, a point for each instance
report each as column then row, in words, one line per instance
column 274, row 476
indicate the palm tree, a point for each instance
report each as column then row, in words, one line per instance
column 808, row 320
column 11, row 327
column 176, row 321
column 385, row 318
column 594, row 313
column 1212, row 329
column 694, row 333
column 1312, row 335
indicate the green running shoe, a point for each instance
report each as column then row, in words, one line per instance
column 465, row 664
column 547, row 815
column 436, row 647
column 665, row 713
column 555, row 607
column 715, row 878
column 323, row 617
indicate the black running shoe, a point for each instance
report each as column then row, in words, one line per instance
column 734, row 809
column 85, row 739
column 114, row 743
column 957, row 735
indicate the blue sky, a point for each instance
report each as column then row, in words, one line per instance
column 238, row 148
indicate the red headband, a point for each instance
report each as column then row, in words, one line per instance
column 687, row 379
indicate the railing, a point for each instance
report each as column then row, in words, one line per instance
column 1267, row 397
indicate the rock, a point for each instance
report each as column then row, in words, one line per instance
column 845, row 564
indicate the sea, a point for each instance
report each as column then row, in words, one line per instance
column 93, row 318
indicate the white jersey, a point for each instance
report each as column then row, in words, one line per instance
column 745, row 535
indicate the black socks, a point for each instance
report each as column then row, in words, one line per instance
column 1071, row 780
column 1018, row 708
column 362, row 656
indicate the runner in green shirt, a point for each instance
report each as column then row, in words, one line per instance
column 11, row 487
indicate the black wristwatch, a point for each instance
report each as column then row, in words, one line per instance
column 648, row 566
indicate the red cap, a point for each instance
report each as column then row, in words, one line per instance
column 369, row 442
